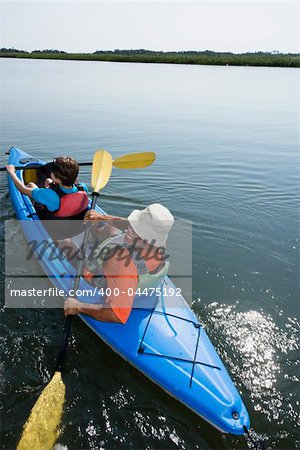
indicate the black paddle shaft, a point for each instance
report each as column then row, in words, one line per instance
column 68, row 320
column 36, row 166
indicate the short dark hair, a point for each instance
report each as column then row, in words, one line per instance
column 66, row 169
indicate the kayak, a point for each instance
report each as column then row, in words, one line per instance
column 168, row 345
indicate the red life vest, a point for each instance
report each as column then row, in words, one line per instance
column 72, row 206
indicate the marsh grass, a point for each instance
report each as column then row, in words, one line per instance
column 147, row 56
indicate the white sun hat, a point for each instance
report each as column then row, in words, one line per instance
column 152, row 223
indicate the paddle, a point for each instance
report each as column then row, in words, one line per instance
column 134, row 160
column 41, row 429
column 129, row 161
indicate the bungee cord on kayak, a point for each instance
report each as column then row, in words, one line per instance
column 193, row 361
column 164, row 308
column 166, row 315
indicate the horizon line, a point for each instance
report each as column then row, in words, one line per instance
column 273, row 52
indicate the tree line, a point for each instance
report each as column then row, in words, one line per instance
column 206, row 57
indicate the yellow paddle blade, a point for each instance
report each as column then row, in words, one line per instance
column 42, row 427
column 102, row 166
column 135, row 160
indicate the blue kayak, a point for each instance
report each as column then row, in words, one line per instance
column 168, row 346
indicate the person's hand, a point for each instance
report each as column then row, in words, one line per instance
column 94, row 215
column 48, row 182
column 31, row 185
column 71, row 306
column 10, row 168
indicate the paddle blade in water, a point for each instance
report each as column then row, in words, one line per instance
column 102, row 166
column 135, row 160
column 42, row 427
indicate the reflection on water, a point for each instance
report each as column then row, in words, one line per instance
column 263, row 358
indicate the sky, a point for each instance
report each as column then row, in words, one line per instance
column 76, row 26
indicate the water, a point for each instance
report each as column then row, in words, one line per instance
column 227, row 144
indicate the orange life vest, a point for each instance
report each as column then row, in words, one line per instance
column 72, row 206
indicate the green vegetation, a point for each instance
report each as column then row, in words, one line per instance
column 270, row 59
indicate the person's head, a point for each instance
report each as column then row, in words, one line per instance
column 151, row 224
column 64, row 170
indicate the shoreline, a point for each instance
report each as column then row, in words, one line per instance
column 189, row 58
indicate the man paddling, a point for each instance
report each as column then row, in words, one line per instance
column 124, row 261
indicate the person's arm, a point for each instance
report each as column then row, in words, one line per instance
column 96, row 311
column 18, row 183
column 93, row 215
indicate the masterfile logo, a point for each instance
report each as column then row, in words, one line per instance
column 40, row 271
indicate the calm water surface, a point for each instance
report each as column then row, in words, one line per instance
column 227, row 144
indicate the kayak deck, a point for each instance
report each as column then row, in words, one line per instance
column 167, row 344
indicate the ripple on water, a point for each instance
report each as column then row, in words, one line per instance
column 163, row 432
